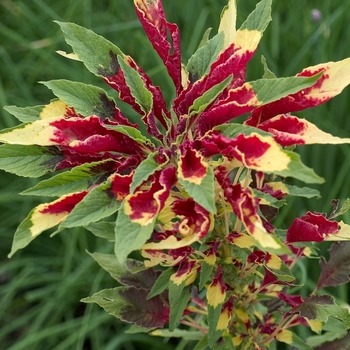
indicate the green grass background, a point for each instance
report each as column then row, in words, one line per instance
column 40, row 287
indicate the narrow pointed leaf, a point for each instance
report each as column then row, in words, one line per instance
column 145, row 169
column 290, row 130
column 179, row 296
column 77, row 179
column 202, row 102
column 164, row 36
column 141, row 94
column 99, row 203
column 43, row 217
column 102, row 229
column 161, row 284
column 29, row 161
column 199, row 63
column 228, row 22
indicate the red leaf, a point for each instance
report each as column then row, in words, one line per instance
column 229, row 62
column 63, row 204
column 152, row 17
column 152, row 313
column 311, row 227
column 89, row 135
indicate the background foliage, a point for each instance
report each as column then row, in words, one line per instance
column 40, row 287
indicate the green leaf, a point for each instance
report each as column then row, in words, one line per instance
column 86, row 99
column 269, row 90
column 339, row 344
column 320, row 308
column 97, row 53
column 130, row 131
column 25, row 114
column 298, row 170
column 213, row 318
column 177, row 333
column 142, row 95
column 102, row 229
column 205, row 38
column 199, row 63
column 78, row 179
column 232, row 130
column 161, row 284
column 205, row 274
column 345, row 207
column 129, row 273
column 267, row 73
column 259, row 18
column 145, row 169
column 129, row 235
column 29, row 160
column 109, row 300
column 179, row 296
column 332, row 330
column 283, row 273
column 203, row 194
column 96, row 205
column 302, row 191
column 209, row 96
column 291, row 338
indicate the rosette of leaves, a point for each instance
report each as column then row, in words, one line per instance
column 197, row 193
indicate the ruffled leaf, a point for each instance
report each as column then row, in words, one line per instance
column 311, row 228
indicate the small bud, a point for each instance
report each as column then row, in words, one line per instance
column 316, row 15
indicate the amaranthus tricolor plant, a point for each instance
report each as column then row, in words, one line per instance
column 197, row 193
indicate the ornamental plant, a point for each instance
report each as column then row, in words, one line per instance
column 189, row 204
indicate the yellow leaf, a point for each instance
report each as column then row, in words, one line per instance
column 228, row 22
column 285, row 336
column 39, row 132
column 215, row 295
